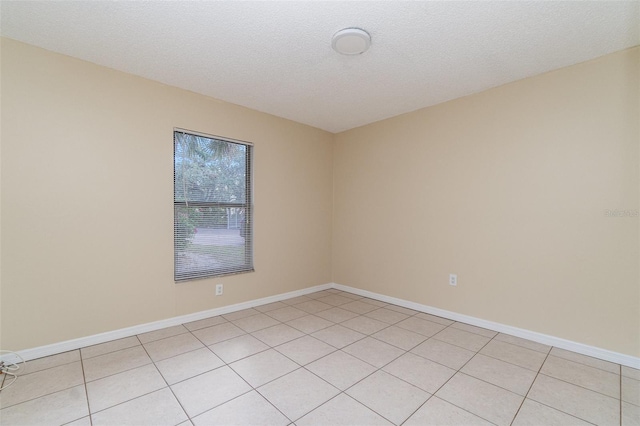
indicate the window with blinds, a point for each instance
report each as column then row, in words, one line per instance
column 212, row 204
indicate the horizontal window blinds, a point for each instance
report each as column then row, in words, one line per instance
column 213, row 226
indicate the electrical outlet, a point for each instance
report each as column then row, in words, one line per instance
column 453, row 279
column 219, row 289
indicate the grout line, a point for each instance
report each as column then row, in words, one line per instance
column 47, row 394
column 580, row 386
column 448, row 402
column 511, row 363
column 453, row 375
column 321, row 378
column 128, row 400
column 530, row 387
column 273, row 405
column 121, row 371
column 554, row 408
column 224, row 321
column 139, row 396
column 163, row 338
column 54, row 366
column 521, row 346
column 587, row 365
column 252, row 388
column 376, row 369
column 167, row 383
column 563, row 412
column 86, row 391
column 327, row 401
column 108, row 352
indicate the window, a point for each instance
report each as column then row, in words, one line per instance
column 212, row 206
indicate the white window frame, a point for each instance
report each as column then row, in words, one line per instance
column 247, row 205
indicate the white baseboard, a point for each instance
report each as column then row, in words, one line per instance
column 581, row 348
column 69, row 345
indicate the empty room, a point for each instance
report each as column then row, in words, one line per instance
column 319, row 213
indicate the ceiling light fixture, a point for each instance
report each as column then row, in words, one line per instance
column 351, row 41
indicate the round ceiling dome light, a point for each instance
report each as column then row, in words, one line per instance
column 351, row 41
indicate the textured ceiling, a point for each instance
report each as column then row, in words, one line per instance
column 276, row 57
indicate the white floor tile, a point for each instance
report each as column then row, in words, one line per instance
column 240, row 314
column 444, row 353
column 365, row 325
column 508, row 376
column 473, row 329
column 312, row 306
column 56, row 408
column 336, row 315
column 250, row 409
column 204, row 323
column 116, row 389
column 270, row 306
column 586, row 360
column 575, row 400
column 263, row 367
column 49, row 362
column 630, row 414
column 172, row 346
column 112, row 346
column 392, row 398
column 582, row 375
column 631, row 391
column 309, row 323
column 41, row 383
column 464, row 339
column 399, row 337
column 427, row 375
column 187, row 365
column 162, row 333
column 514, row 354
column 483, row 399
column 218, row 333
column 255, row 322
column 387, row 315
column 84, row 421
column 305, row 349
column 518, row 341
column 533, row 413
column 277, row 335
column 338, row 336
column 437, row 412
column 114, row 362
column 287, row 313
column 373, row 351
column 208, row 390
column 420, row 326
column 237, row 348
column 342, row 411
column 632, row 373
column 341, row 369
column 158, row 408
column 298, row 393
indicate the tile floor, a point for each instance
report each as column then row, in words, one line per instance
column 329, row 358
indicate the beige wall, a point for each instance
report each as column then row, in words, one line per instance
column 507, row 188
column 87, row 215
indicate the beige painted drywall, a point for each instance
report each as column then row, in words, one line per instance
column 507, row 188
column 87, row 215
